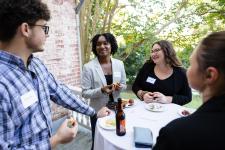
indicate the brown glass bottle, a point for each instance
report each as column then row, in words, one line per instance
column 120, row 119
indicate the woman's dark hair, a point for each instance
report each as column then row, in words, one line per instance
column 169, row 52
column 211, row 52
column 15, row 12
column 109, row 38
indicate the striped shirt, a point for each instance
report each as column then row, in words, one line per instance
column 25, row 93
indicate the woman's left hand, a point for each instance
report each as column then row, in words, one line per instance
column 160, row 98
column 116, row 86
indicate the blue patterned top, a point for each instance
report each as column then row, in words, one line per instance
column 25, row 93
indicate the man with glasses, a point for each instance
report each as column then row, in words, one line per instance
column 44, row 27
column 26, row 86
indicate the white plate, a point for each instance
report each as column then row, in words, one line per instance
column 128, row 106
column 155, row 107
column 185, row 111
column 108, row 123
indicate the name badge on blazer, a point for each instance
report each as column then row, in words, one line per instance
column 29, row 98
column 151, row 80
column 117, row 74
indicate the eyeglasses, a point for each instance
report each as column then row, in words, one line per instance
column 155, row 50
column 44, row 27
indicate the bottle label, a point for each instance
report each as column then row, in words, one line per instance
column 122, row 126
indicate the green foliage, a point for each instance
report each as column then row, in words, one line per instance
column 138, row 23
column 197, row 19
column 184, row 56
column 133, row 63
column 134, row 56
column 195, row 103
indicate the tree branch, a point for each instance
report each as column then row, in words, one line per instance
column 183, row 5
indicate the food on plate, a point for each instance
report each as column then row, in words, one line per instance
column 154, row 107
column 185, row 113
column 110, row 122
column 131, row 102
column 127, row 102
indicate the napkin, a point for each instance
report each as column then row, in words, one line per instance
column 143, row 137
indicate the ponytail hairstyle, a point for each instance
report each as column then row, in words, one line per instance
column 211, row 52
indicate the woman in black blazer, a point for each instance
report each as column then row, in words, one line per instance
column 205, row 128
column 162, row 79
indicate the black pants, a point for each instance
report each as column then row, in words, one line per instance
column 93, row 124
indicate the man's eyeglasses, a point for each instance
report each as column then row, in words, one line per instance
column 155, row 50
column 44, row 27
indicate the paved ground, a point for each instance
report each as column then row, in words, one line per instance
column 81, row 142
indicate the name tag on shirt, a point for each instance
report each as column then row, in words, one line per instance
column 117, row 74
column 29, row 98
column 151, row 80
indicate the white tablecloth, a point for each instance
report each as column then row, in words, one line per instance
column 139, row 116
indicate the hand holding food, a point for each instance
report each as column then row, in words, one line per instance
column 67, row 131
column 108, row 89
column 148, row 97
column 160, row 98
column 116, row 86
column 71, row 122
column 104, row 111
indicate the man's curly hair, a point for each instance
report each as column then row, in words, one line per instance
column 15, row 12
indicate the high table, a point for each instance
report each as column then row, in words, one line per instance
column 136, row 115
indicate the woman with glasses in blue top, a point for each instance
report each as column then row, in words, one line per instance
column 162, row 78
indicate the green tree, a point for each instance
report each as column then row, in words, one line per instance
column 139, row 23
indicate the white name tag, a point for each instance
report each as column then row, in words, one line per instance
column 117, row 74
column 29, row 98
column 150, row 80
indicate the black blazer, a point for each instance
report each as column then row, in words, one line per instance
column 203, row 130
column 181, row 90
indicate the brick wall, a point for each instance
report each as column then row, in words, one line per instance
column 61, row 55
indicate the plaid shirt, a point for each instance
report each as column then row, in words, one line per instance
column 25, row 125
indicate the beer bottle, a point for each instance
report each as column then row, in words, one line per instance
column 120, row 119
